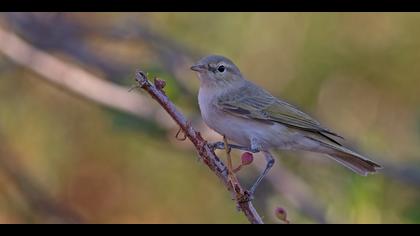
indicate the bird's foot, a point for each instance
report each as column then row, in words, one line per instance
column 270, row 162
column 216, row 145
column 221, row 146
column 247, row 196
column 255, row 150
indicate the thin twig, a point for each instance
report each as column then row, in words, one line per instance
column 206, row 154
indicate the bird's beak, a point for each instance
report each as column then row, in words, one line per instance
column 198, row 68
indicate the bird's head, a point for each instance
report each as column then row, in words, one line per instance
column 217, row 71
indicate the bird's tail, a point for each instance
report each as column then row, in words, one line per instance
column 348, row 158
column 354, row 161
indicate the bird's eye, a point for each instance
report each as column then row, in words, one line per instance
column 221, row 68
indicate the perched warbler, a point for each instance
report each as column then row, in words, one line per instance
column 257, row 121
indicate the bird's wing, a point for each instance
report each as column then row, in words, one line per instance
column 252, row 102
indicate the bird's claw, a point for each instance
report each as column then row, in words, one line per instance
column 247, row 196
column 217, row 145
column 255, row 150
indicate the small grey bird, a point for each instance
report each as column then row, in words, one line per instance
column 257, row 121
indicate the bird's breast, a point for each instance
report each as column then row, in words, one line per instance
column 212, row 116
column 205, row 100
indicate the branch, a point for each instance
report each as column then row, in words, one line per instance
column 55, row 31
column 206, row 154
column 41, row 31
column 80, row 82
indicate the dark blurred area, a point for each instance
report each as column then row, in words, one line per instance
column 77, row 147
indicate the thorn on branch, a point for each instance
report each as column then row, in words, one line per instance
column 180, row 131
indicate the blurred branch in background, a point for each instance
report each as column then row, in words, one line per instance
column 36, row 197
column 409, row 174
column 79, row 82
column 296, row 192
column 54, row 31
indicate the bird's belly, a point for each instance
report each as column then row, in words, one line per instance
column 234, row 129
column 242, row 131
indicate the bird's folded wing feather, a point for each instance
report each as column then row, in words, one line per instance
column 252, row 102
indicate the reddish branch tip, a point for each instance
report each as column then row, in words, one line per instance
column 247, row 158
column 281, row 214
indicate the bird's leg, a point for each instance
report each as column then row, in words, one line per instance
column 255, row 145
column 221, row 145
column 270, row 162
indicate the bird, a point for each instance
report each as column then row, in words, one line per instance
column 257, row 121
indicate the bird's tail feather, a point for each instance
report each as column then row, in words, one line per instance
column 346, row 157
column 355, row 162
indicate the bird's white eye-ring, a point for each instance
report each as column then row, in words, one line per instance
column 221, row 68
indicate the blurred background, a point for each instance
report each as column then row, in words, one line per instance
column 77, row 147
